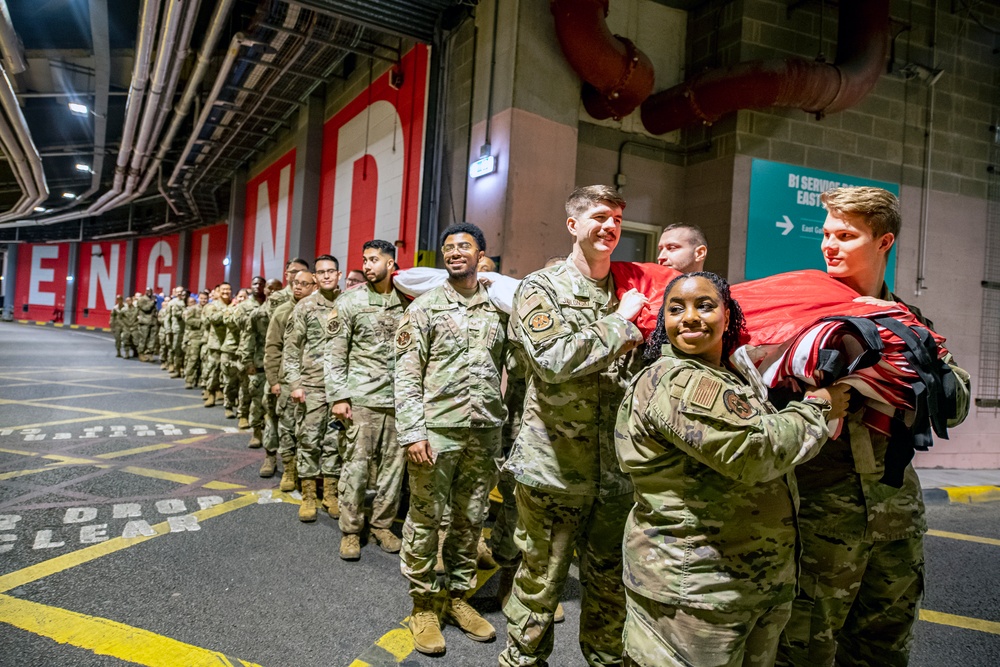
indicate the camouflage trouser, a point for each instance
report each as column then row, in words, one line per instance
column 663, row 635
column 255, row 390
column 270, row 407
column 549, row 527
column 462, row 476
column 857, row 602
column 289, row 413
column 177, row 354
column 230, row 376
column 118, row 341
column 372, row 459
column 211, row 370
column 505, row 552
column 244, row 397
column 318, row 452
column 147, row 339
column 192, row 361
column 161, row 345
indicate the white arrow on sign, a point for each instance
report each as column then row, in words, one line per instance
column 787, row 225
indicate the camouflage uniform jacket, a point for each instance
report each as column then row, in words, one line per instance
column 117, row 318
column 306, row 337
column 450, row 354
column 713, row 526
column 130, row 318
column 275, row 299
column 215, row 313
column 175, row 316
column 274, row 343
column 255, row 321
column 194, row 325
column 233, row 319
column 574, row 345
column 845, row 487
column 360, row 358
column 147, row 309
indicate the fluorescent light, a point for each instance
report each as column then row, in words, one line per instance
column 69, row 279
column 165, row 225
column 68, row 195
column 113, row 235
column 83, row 167
column 79, row 109
column 41, row 209
column 225, row 261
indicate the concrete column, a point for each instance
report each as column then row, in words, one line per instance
column 128, row 284
column 183, row 259
column 69, row 309
column 308, row 163
column 9, row 280
column 234, row 245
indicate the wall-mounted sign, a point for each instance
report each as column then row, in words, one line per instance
column 785, row 225
column 372, row 155
column 208, row 250
column 267, row 220
column 156, row 260
column 41, row 281
column 100, row 277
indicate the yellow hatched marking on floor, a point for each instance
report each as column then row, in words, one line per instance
column 965, row 538
column 179, row 478
column 106, row 637
column 965, row 622
column 75, row 396
column 972, row 494
column 66, row 561
column 188, row 441
column 22, row 473
column 19, row 451
column 136, row 450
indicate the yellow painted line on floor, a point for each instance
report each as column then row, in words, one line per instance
column 22, row 473
column 965, row 538
column 965, row 622
column 106, row 637
column 135, row 450
column 66, row 561
column 19, row 451
column 35, row 404
column 58, row 422
column 222, row 486
column 188, row 441
column 179, row 478
column 74, row 396
column 972, row 494
column 68, row 460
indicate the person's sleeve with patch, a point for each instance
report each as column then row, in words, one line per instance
column 295, row 336
column 720, row 425
column 339, row 329
column 412, row 345
column 553, row 349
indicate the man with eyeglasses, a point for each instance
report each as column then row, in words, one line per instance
column 355, row 278
column 359, row 366
column 450, row 353
column 302, row 285
column 306, row 338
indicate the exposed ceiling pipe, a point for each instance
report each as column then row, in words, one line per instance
column 617, row 76
column 23, row 153
column 814, row 87
column 140, row 76
column 191, row 90
column 13, row 51
column 238, row 40
column 102, row 87
column 173, row 22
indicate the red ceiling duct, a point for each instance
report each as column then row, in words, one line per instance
column 617, row 76
column 815, row 87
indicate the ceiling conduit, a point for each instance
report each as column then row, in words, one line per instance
column 814, row 87
column 22, row 151
column 617, row 76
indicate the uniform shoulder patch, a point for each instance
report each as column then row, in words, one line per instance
column 738, row 405
column 334, row 325
column 704, row 392
column 540, row 322
column 532, row 302
column 403, row 339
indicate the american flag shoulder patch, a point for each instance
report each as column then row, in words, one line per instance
column 705, row 392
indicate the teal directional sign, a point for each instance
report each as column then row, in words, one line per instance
column 785, row 225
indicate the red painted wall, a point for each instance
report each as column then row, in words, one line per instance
column 41, row 281
column 99, row 279
column 371, row 168
column 268, row 220
column 208, row 249
column 156, row 261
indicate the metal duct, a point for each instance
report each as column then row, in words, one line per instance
column 814, row 87
column 13, row 52
column 617, row 76
column 25, row 159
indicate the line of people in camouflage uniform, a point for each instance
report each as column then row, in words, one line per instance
column 355, row 390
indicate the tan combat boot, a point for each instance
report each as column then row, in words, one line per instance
column 219, row 395
column 210, row 400
column 560, row 614
column 230, row 414
column 474, row 626
column 255, row 439
column 244, row 424
column 426, row 629
column 289, row 474
column 350, row 546
column 386, row 540
column 307, row 510
column 330, row 502
column 484, row 557
column 269, row 465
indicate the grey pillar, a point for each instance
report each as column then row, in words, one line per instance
column 9, row 280
column 128, row 284
column 69, row 309
column 305, row 197
column 237, row 219
column 183, row 259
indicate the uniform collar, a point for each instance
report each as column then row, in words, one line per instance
column 476, row 299
column 391, row 298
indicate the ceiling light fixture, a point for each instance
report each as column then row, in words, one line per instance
column 83, row 167
column 79, row 109
column 113, row 235
column 68, row 195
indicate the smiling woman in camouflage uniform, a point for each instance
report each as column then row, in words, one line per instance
column 710, row 544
